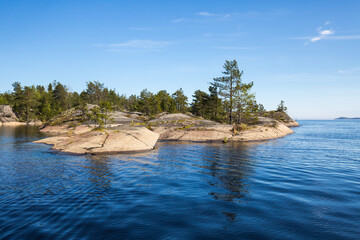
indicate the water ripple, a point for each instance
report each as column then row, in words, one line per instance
column 304, row 186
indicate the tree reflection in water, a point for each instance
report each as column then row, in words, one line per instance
column 99, row 176
column 230, row 167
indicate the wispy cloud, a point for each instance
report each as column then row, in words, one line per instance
column 178, row 20
column 322, row 33
column 348, row 71
column 346, row 37
column 208, row 14
column 336, row 37
column 135, row 45
column 325, row 33
column 235, row 48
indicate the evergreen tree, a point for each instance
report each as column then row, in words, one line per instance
column 18, row 104
column 199, row 105
column 166, row 103
column 132, row 103
column 144, row 102
column 60, row 97
column 229, row 85
column 236, row 94
column 214, row 105
column 95, row 92
column 281, row 107
column 30, row 104
column 261, row 108
column 245, row 101
column 105, row 110
column 180, row 101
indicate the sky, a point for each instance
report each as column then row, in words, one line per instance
column 306, row 53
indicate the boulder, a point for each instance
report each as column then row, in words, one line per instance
column 105, row 142
column 8, row 117
column 7, row 114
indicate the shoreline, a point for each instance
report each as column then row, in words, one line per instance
column 16, row 124
column 82, row 140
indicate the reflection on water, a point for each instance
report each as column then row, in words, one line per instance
column 99, row 174
column 302, row 186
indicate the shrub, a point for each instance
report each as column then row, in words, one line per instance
column 239, row 127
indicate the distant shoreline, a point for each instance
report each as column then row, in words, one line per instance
column 346, row 118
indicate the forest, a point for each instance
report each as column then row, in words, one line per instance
column 227, row 100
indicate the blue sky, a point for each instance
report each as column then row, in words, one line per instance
column 304, row 52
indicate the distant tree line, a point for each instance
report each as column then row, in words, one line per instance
column 228, row 100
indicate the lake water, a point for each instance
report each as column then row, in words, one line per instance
column 303, row 186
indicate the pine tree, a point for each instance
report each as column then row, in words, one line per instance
column 281, row 107
column 229, row 84
column 180, row 101
column 199, row 105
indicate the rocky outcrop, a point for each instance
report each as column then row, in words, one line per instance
column 104, row 142
column 181, row 127
column 74, row 117
column 281, row 117
column 126, row 135
column 8, row 117
column 262, row 133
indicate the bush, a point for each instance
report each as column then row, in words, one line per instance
column 239, row 127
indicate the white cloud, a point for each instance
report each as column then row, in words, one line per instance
column 339, row 37
column 136, row 45
column 327, row 32
column 206, row 14
column 315, row 39
column 322, row 33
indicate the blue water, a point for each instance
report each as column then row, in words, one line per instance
column 303, row 186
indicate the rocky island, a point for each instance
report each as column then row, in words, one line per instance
column 345, row 118
column 133, row 132
column 98, row 120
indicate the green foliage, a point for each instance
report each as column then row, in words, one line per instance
column 208, row 106
column 229, row 84
column 281, row 107
column 228, row 100
column 199, row 104
column 261, row 108
column 239, row 127
column 237, row 96
column 5, row 98
column 181, row 104
column 100, row 115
